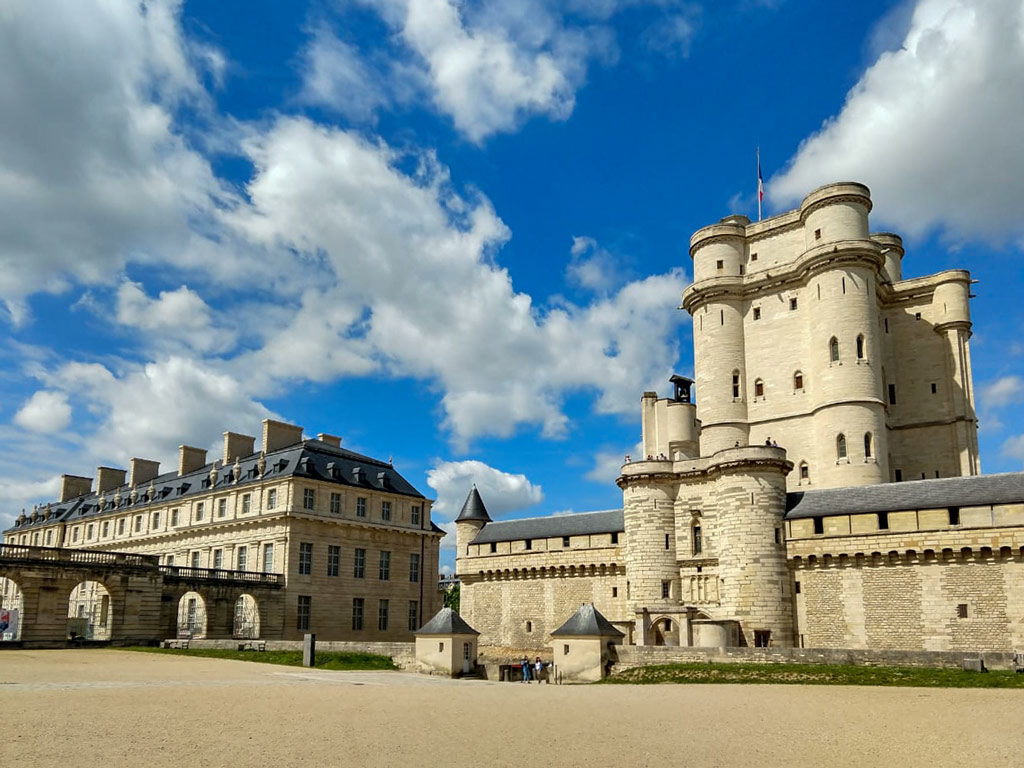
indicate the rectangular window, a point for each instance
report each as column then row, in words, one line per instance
column 120, row 527
column 199, row 510
column 494, row 547
column 883, row 521
column 174, row 517
column 667, row 541
column 757, row 313
column 333, row 559
column 698, row 541
column 384, row 572
column 106, row 531
column 305, row 558
column 414, row 514
column 138, row 523
column 615, row 591
column 385, row 510
column 242, row 558
column 961, row 611
column 357, row 613
column 666, row 588
column 359, row 563
column 720, row 264
column 819, row 525
column 218, row 558
column 360, row 506
column 796, row 587
column 934, row 388
column 792, row 304
column 305, row 609
column 735, row 386
column 954, row 515
column 170, row 559
column 335, row 503
column 195, row 559
column 308, row 498
column 414, row 567
column 222, row 507
column 565, row 541
column 88, row 532
column 615, row 537
column 268, row 558
column 382, row 616
column 246, row 503
column 156, row 519
column 528, row 544
column 414, row 615
column 892, row 394
column 272, row 498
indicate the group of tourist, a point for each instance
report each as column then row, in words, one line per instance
column 537, row 669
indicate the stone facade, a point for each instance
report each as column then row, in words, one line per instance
column 821, row 372
column 341, row 527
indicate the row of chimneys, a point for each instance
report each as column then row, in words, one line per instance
column 276, row 434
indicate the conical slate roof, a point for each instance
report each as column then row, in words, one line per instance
column 473, row 509
column 588, row 621
column 446, row 622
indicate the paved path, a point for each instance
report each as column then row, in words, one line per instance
column 115, row 708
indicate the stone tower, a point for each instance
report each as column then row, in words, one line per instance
column 805, row 332
column 471, row 519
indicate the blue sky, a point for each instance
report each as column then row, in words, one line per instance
column 455, row 233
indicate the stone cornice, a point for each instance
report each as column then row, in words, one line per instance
column 743, row 459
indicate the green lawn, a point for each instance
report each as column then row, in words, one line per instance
column 816, row 674
column 338, row 660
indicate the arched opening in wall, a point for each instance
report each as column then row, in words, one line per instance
column 247, row 618
column 841, row 446
column 89, row 614
column 833, row 350
column 805, row 472
column 665, row 632
column 860, row 347
column 758, row 388
column 191, row 615
column 12, row 610
column 867, row 445
column 798, row 381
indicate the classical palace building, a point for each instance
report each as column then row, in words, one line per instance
column 822, row 491
column 352, row 538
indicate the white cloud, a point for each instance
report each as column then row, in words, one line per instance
column 180, row 316
column 502, row 492
column 46, row 411
column 92, row 171
column 1014, row 448
column 672, row 34
column 336, row 76
column 1002, row 392
column 933, row 127
column 608, row 463
column 592, row 267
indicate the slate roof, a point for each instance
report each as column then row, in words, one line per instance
column 976, row 490
column 587, row 621
column 446, row 622
column 576, row 524
column 473, row 508
column 308, row 458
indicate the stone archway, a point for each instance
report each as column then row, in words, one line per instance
column 191, row 615
column 246, row 618
column 665, row 631
column 12, row 610
column 89, row 611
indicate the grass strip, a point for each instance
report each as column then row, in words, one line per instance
column 334, row 660
column 815, row 674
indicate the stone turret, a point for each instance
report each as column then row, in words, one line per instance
column 471, row 519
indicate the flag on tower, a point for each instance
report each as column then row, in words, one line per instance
column 760, row 184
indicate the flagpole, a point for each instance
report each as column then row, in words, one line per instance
column 760, row 186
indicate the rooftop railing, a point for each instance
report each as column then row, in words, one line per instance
column 222, row 574
column 13, row 553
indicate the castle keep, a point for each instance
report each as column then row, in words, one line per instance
column 819, row 488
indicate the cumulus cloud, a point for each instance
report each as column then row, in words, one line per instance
column 46, row 411
column 608, row 463
column 932, row 127
column 592, row 267
column 1014, row 448
column 180, row 315
column 336, row 76
column 92, row 170
column 1002, row 392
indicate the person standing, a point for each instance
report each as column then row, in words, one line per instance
column 538, row 667
column 525, row 663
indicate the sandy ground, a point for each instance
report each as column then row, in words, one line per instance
column 116, row 708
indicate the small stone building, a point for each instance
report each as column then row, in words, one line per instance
column 446, row 645
column 584, row 646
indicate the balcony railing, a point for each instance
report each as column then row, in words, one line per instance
column 222, row 574
column 14, row 553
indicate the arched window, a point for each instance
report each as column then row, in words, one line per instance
column 798, row 381
column 860, row 347
column 867, row 445
column 841, row 446
column 698, row 541
column 833, row 349
column 735, row 385
column 759, row 388
column 805, row 472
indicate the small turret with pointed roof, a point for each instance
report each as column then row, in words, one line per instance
column 471, row 519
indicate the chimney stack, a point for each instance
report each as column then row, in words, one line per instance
column 73, row 486
column 277, row 434
column 109, row 478
column 237, row 446
column 142, row 471
column 190, row 459
column 334, row 440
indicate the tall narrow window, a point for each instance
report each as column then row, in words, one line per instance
column 335, row 503
column 304, row 609
column 414, row 567
column 268, row 558
column 305, row 558
column 798, row 381
column 698, row 541
column 819, row 525
column 385, row 510
column 892, row 394
column 883, row 521
column 758, row 388
column 357, row 613
column 333, row 559
column 382, row 615
column 735, row 384
column 359, row 564
column 242, row 558
column 841, row 446
column 860, row 347
column 833, row 349
column 308, row 498
column 757, row 313
column 805, row 472
column 414, row 514
column 867, row 445
column 384, row 572
column 360, row 506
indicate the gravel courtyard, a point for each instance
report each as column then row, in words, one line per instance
column 117, row 708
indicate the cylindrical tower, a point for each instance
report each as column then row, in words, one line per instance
column 750, row 505
column 471, row 519
column 834, row 213
column 892, row 252
column 649, row 521
column 951, row 301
